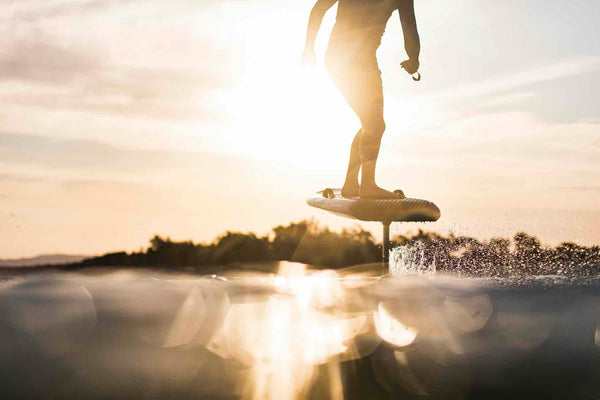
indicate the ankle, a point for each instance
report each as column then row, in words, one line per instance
column 368, row 184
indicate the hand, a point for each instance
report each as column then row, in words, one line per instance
column 309, row 57
column 411, row 66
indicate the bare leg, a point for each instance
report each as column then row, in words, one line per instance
column 373, row 129
column 360, row 84
column 351, row 186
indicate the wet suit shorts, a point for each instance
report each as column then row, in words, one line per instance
column 357, row 77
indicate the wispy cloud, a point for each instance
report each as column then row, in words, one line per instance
column 582, row 188
column 558, row 69
column 37, row 72
column 34, row 158
column 36, row 10
column 44, row 61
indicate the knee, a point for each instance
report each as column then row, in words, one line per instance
column 381, row 128
column 374, row 130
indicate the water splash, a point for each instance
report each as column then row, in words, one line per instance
column 411, row 259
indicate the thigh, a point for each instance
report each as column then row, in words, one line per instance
column 359, row 81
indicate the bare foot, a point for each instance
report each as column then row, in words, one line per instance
column 375, row 192
column 351, row 189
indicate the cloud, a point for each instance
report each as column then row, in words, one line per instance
column 559, row 69
column 20, row 178
column 45, row 62
column 34, row 11
column 583, row 188
column 511, row 136
column 85, row 156
column 40, row 159
column 172, row 94
column 37, row 72
column 139, row 58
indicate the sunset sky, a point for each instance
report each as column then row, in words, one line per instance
column 124, row 119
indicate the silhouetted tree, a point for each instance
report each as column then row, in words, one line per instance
column 307, row 242
column 239, row 247
column 287, row 239
column 320, row 246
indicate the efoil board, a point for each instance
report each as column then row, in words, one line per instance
column 382, row 210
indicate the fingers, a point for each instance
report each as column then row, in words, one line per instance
column 409, row 66
column 412, row 69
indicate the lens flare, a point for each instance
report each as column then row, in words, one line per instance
column 283, row 337
column 392, row 330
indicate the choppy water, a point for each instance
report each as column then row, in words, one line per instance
column 411, row 260
column 299, row 334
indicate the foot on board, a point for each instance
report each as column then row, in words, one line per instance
column 375, row 192
column 351, row 190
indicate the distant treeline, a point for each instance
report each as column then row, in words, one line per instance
column 304, row 242
column 309, row 243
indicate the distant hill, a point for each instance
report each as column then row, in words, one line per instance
column 48, row 259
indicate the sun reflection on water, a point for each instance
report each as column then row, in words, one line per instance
column 284, row 336
column 298, row 334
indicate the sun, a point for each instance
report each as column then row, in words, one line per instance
column 291, row 114
column 280, row 110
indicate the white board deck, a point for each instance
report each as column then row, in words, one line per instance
column 382, row 210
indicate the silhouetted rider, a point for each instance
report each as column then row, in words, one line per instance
column 352, row 65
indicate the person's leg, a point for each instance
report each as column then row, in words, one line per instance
column 370, row 141
column 351, row 186
column 359, row 81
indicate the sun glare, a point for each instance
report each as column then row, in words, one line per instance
column 290, row 114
